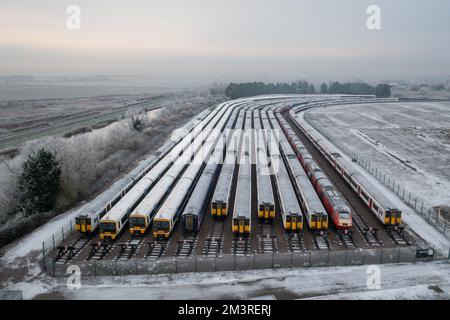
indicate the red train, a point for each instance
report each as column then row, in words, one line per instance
column 336, row 205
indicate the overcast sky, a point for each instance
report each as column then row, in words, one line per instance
column 263, row 39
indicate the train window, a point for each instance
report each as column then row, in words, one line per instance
column 107, row 226
column 365, row 196
column 161, row 225
column 136, row 222
column 124, row 219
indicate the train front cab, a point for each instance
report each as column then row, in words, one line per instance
column 318, row 221
column 266, row 211
column 392, row 217
column 108, row 230
column 138, row 224
column 241, row 226
column 161, row 228
column 83, row 224
column 219, row 209
column 189, row 222
column 293, row 222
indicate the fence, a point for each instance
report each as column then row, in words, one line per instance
column 229, row 262
column 430, row 214
column 50, row 245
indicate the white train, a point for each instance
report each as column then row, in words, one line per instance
column 142, row 215
column 114, row 221
column 315, row 213
column 376, row 201
column 88, row 221
column 241, row 223
column 167, row 215
column 266, row 201
column 291, row 212
column 222, row 193
column 195, row 209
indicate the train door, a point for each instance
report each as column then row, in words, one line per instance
column 189, row 222
column 266, row 212
column 85, row 224
column 294, row 223
column 319, row 222
column 241, row 226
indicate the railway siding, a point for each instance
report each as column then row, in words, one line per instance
column 267, row 245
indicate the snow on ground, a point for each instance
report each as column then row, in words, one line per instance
column 413, row 219
column 407, row 141
column 397, row 281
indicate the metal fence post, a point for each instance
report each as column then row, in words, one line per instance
column 62, row 233
column 43, row 256
column 53, row 237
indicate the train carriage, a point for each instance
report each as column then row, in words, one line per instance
column 114, row 221
column 222, row 193
column 241, row 223
column 290, row 210
column 142, row 216
column 266, row 201
column 193, row 214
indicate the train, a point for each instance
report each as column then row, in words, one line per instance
column 88, row 221
column 290, row 211
column 142, row 215
column 266, row 201
column 196, row 207
column 114, row 221
column 387, row 212
column 222, row 193
column 333, row 201
column 242, row 211
column 167, row 215
column 313, row 209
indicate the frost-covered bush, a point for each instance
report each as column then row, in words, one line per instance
column 92, row 160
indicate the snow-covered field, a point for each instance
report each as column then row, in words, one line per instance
column 408, row 141
column 397, row 281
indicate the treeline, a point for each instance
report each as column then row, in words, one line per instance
column 248, row 89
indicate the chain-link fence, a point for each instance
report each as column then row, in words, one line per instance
column 230, row 262
column 432, row 215
column 50, row 245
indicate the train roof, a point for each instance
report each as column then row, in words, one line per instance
column 130, row 198
column 242, row 205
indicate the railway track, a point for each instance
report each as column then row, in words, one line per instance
column 129, row 248
column 295, row 242
column 214, row 242
column 369, row 234
column 99, row 250
column 267, row 240
column 321, row 241
column 346, row 239
column 241, row 246
column 186, row 246
column 397, row 235
column 67, row 253
column 156, row 249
